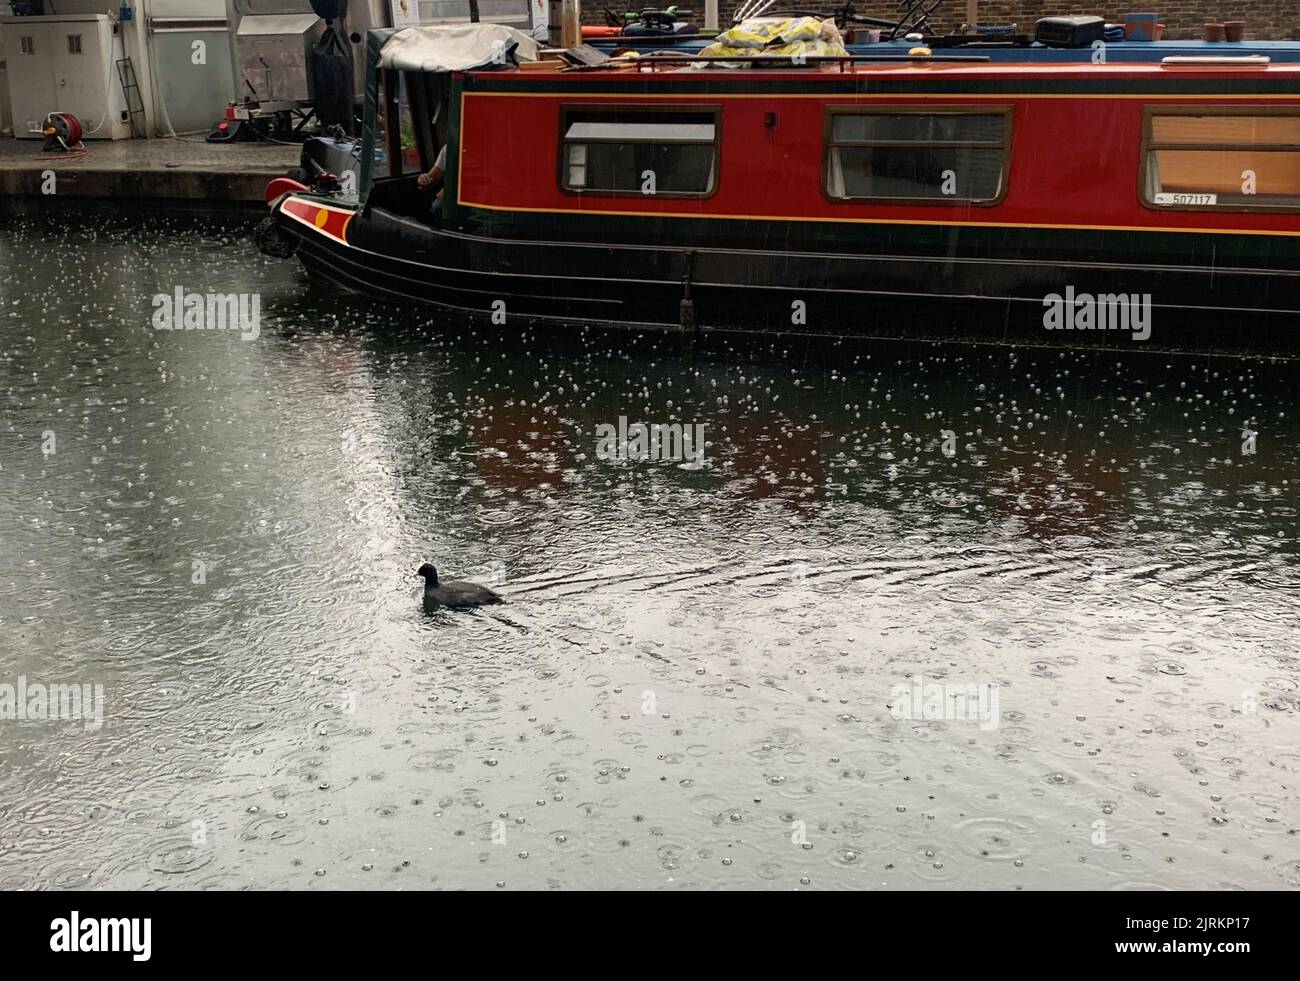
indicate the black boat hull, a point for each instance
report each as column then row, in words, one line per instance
column 947, row 297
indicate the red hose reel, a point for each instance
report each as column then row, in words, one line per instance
column 62, row 131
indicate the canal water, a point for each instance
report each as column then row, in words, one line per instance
column 920, row 616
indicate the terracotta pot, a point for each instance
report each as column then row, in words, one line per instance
column 1158, row 33
column 1234, row 30
column 1214, row 32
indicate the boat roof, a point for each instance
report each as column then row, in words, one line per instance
column 668, row 70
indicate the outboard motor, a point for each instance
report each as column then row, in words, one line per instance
column 329, row 66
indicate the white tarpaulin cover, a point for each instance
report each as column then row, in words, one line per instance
column 454, row 48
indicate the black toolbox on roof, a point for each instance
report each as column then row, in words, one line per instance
column 1069, row 32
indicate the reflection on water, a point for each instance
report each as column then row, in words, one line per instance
column 691, row 684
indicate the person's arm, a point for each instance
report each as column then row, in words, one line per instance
column 434, row 174
column 429, row 178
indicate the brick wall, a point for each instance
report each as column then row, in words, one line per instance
column 1272, row 19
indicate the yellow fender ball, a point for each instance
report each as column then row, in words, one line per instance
column 920, row 52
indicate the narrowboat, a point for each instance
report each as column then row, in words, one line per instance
column 1111, row 204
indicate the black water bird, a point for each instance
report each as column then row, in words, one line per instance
column 459, row 595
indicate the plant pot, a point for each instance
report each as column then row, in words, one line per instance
column 1214, row 32
column 1158, row 33
column 1234, row 30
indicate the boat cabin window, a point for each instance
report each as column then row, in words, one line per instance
column 404, row 108
column 918, row 156
column 639, row 152
column 1234, row 158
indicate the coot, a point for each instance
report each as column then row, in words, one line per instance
column 454, row 594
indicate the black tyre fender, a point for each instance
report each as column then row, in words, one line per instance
column 272, row 240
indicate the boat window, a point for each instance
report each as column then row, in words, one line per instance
column 639, row 152
column 1234, row 158
column 406, row 129
column 925, row 156
column 397, row 125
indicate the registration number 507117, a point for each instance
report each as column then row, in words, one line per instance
column 1165, row 197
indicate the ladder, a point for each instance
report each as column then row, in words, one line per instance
column 131, row 91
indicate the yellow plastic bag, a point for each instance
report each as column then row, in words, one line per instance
column 786, row 37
